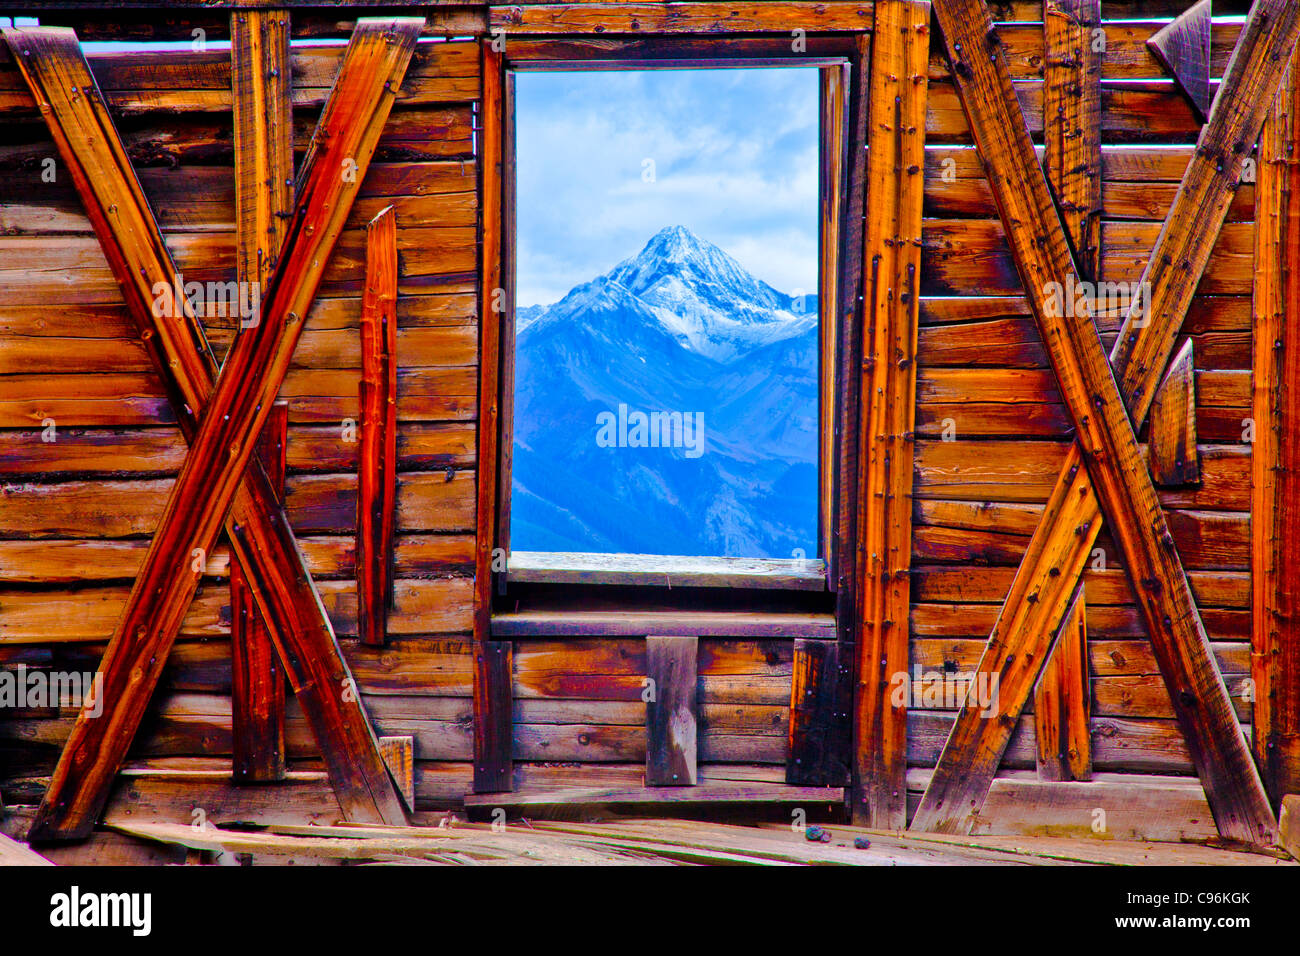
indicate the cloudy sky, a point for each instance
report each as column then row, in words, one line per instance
column 734, row 160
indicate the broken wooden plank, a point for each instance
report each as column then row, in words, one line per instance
column 820, row 734
column 671, row 714
column 1183, row 47
column 256, row 677
column 13, row 853
column 1275, row 457
column 891, row 258
column 221, row 449
column 1062, row 701
column 377, row 459
column 1055, row 556
column 399, row 757
column 493, row 717
column 1174, row 458
column 1072, row 60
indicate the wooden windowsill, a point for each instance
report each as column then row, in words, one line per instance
column 555, row 567
column 642, row 623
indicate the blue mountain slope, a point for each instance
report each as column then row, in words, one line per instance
column 680, row 327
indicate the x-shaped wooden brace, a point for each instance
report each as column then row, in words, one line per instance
column 1104, row 469
column 221, row 423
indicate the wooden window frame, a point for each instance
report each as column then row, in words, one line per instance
column 835, row 56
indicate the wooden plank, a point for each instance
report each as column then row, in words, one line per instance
column 13, row 853
column 1183, row 46
column 377, row 459
column 1174, row 458
column 891, row 258
column 1275, row 460
column 820, row 732
column 257, row 678
column 834, row 102
column 261, row 80
column 1288, row 824
column 222, row 447
column 399, row 757
column 1231, row 780
column 493, row 733
column 699, row 17
column 1062, row 701
column 559, row 567
column 1072, row 124
column 638, row 622
column 704, row 793
column 671, row 711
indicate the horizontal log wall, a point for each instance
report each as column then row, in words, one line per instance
column 76, row 513
column 984, row 385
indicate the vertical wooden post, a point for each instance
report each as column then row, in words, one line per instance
column 263, row 142
column 377, row 460
column 891, row 262
column 492, row 716
column 256, row 678
column 1072, row 124
column 1062, row 701
column 493, row 726
column 819, row 750
column 671, row 713
column 1275, row 459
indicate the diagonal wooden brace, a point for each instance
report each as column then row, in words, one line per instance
column 1115, row 474
column 260, row 536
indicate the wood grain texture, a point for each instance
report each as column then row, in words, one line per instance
column 1174, row 457
column 1275, row 460
column 223, row 445
column 703, row 17
column 1183, row 46
column 891, row 258
column 1231, row 781
column 819, row 728
column 377, row 457
column 671, row 714
column 493, row 724
column 263, row 141
column 257, row 678
column 1063, row 699
column 1072, row 124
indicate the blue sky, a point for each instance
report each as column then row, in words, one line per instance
column 735, row 161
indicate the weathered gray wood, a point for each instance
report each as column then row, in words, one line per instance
column 1184, row 48
column 671, row 711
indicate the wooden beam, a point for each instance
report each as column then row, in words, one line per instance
column 1183, row 47
column 493, row 717
column 261, row 81
column 1275, row 458
column 1038, row 598
column 1072, row 124
column 222, row 447
column 1172, row 436
column 256, row 677
column 780, row 16
column 891, row 260
column 671, row 711
column 1062, row 701
column 819, row 745
column 377, row 460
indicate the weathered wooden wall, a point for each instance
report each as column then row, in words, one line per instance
column 76, row 513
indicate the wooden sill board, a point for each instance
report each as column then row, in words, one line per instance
column 662, row 623
column 548, row 567
column 703, row 793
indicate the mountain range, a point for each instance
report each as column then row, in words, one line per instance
column 681, row 327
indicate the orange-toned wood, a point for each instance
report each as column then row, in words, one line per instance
column 891, row 258
column 1056, row 555
column 377, row 459
column 1072, row 123
column 1063, row 701
column 256, row 677
column 1275, row 458
column 263, row 140
column 780, row 16
column 1174, row 457
column 222, row 447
